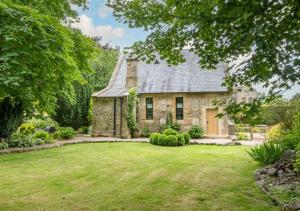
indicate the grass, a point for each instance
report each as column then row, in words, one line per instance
column 131, row 176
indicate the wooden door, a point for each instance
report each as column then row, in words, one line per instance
column 212, row 122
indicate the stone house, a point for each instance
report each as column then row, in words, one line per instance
column 186, row 91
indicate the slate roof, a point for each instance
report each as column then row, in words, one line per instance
column 162, row 78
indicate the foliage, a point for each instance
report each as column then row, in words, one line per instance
column 11, row 115
column 223, row 31
column 64, row 133
column 242, row 136
column 27, row 128
column 187, row 138
column 85, row 129
column 76, row 114
column 276, row 131
column 171, row 140
column 170, row 131
column 170, row 124
column 297, row 162
column 154, row 138
column 162, row 140
column 280, row 111
column 296, row 124
column 196, row 131
column 289, row 141
column 145, row 132
column 267, row 153
column 43, row 122
column 131, row 112
column 43, row 137
column 180, row 140
column 3, row 145
column 61, row 9
column 40, row 57
column 103, row 66
column 21, row 140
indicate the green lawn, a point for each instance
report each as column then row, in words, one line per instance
column 131, row 176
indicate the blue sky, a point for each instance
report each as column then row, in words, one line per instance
column 99, row 21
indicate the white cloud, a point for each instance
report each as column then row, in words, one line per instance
column 104, row 11
column 107, row 32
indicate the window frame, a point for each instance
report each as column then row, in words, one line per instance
column 149, row 111
column 179, row 111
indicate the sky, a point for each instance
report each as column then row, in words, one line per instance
column 99, row 21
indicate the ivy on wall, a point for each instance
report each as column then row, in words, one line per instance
column 131, row 111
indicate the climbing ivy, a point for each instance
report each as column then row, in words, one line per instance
column 131, row 113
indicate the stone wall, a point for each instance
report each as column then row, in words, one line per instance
column 195, row 105
column 103, row 117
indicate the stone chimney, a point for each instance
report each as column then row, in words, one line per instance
column 131, row 76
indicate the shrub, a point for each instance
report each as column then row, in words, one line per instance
column 172, row 140
column 145, row 132
column 85, row 129
column 65, row 133
column 43, row 123
column 27, row 128
column 175, row 126
column 3, row 145
column 297, row 162
column 196, row 131
column 296, row 124
column 267, row 153
column 180, row 140
column 170, row 131
column 275, row 132
column 42, row 137
column 154, row 138
column 187, row 138
column 162, row 140
column 242, row 136
column 289, row 141
column 21, row 140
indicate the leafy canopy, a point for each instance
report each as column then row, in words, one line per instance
column 40, row 57
column 265, row 34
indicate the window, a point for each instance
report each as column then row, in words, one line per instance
column 149, row 108
column 179, row 108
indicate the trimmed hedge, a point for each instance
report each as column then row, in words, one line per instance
column 170, row 138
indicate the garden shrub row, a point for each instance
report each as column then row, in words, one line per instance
column 170, row 137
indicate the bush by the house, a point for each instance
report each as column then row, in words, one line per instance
column 187, row 138
column 242, row 136
column 64, row 133
column 196, row 131
column 42, row 137
column 170, row 131
column 145, row 132
column 27, row 128
column 85, row 129
column 170, row 137
column 267, row 153
column 175, row 126
column 154, row 138
column 162, row 139
column 180, row 140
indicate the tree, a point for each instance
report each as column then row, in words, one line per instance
column 77, row 114
column 265, row 34
column 40, row 59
